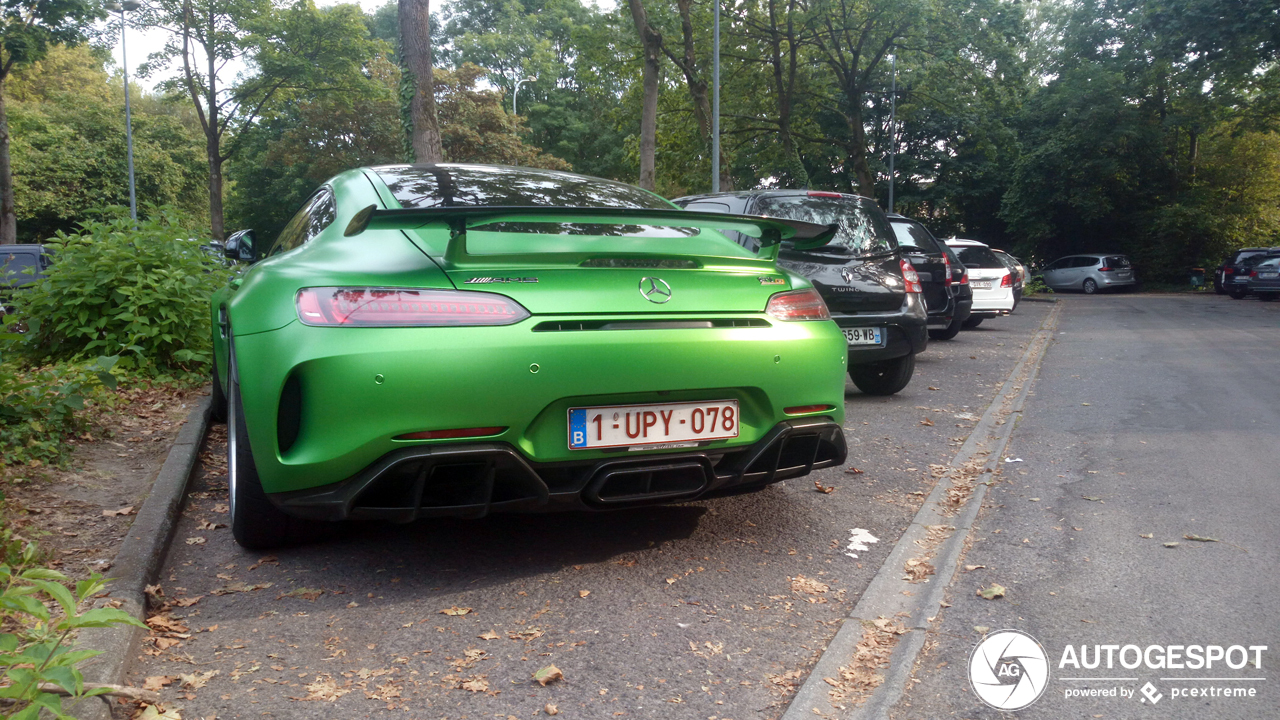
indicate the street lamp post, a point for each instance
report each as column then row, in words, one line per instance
column 715, row 106
column 517, row 92
column 129, row 5
column 893, row 124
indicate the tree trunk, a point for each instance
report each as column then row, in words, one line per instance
column 858, row 156
column 652, row 43
column 213, row 144
column 415, row 38
column 8, row 220
column 784, row 81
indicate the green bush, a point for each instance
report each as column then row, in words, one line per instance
column 36, row 656
column 141, row 294
column 38, row 409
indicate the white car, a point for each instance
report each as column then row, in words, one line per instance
column 991, row 280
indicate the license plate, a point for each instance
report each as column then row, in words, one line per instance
column 1268, row 276
column 1242, row 279
column 863, row 336
column 980, row 284
column 657, row 426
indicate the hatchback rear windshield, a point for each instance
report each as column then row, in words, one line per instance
column 1256, row 258
column 462, row 185
column 1243, row 255
column 979, row 257
column 864, row 229
column 912, row 237
column 1116, row 261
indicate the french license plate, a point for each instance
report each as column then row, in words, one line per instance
column 981, row 284
column 863, row 336
column 662, row 425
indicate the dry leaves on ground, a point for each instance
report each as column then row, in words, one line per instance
column 824, row 489
column 995, row 590
column 862, row 675
column 784, row 683
column 237, row 587
column 305, row 593
column 324, row 689
column 918, row 569
column 126, row 510
column 547, row 675
column 455, row 611
column 490, row 635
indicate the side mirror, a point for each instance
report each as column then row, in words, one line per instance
column 240, row 246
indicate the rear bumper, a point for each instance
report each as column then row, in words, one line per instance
column 906, row 332
column 473, row 480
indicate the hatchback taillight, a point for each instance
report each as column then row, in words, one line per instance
column 798, row 305
column 947, row 261
column 1104, row 269
column 964, row 277
column 1229, row 271
column 910, row 277
column 1253, row 273
column 394, row 307
column 1006, row 281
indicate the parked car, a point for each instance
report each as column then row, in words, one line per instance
column 1237, row 274
column 991, row 280
column 933, row 264
column 1226, row 273
column 1090, row 273
column 1019, row 273
column 455, row 340
column 1264, row 278
column 960, row 288
column 874, row 292
column 21, row 265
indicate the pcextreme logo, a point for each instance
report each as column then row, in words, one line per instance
column 1008, row 670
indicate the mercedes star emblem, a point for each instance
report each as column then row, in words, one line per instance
column 655, row 290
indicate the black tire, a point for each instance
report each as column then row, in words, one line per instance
column 973, row 322
column 1237, row 294
column 256, row 524
column 1090, row 286
column 884, row 378
column 218, row 401
column 947, row 332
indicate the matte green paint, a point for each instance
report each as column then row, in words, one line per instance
column 442, row 378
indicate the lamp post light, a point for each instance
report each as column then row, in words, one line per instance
column 121, row 7
column 517, row 92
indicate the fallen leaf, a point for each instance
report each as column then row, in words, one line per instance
column 803, row 584
column 206, row 525
column 236, row 587
column 548, row 675
column 324, row 689
column 153, row 712
column 1090, row 498
column 476, row 684
column 155, row 682
column 971, row 568
column 195, row 540
column 932, row 387
column 491, row 635
column 305, row 593
column 195, row 681
column 222, row 508
column 1085, row 404
column 1147, row 536
column 991, row 593
column 826, row 490
column 455, row 611
column 583, row 593
column 1201, row 538
column 981, row 629
column 1172, row 544
column 853, row 471
column 927, row 422
column 550, row 709
column 126, row 510
column 671, row 581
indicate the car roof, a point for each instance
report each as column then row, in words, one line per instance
column 788, row 192
column 21, row 248
column 961, row 242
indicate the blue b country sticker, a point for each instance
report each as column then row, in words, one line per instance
column 578, row 428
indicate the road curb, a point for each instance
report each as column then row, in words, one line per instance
column 884, row 595
column 139, row 559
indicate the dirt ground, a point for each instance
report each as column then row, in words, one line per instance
column 80, row 515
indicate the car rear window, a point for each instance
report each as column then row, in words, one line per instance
column 1242, row 255
column 1256, row 258
column 913, row 237
column 17, row 267
column 1116, row 261
column 461, row 185
column 979, row 257
column 864, row 229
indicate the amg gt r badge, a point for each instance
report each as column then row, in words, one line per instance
column 772, row 281
column 491, row 280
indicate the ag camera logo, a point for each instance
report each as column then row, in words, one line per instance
column 1008, row 670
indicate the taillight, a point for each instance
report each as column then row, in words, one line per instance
column 393, row 307
column 1229, row 271
column 822, row 193
column 1253, row 273
column 1104, row 269
column 1006, row 281
column 964, row 278
column 797, row 305
column 911, row 277
column 947, row 261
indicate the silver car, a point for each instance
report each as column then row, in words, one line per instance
column 1089, row 273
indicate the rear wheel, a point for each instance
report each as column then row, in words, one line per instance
column 1237, row 294
column 256, row 523
column 973, row 322
column 218, row 401
column 884, row 378
column 947, row 332
column 1090, row 286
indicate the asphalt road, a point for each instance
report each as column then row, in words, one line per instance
column 674, row 612
column 1153, row 418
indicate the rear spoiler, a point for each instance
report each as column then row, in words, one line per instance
column 769, row 231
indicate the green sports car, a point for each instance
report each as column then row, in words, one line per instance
column 455, row 340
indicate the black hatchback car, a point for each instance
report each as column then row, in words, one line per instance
column 873, row 292
column 946, row 289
